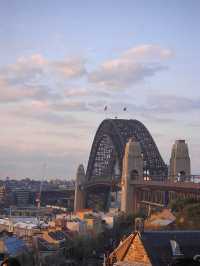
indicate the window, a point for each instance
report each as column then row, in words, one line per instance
column 134, row 175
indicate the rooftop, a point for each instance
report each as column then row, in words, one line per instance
column 158, row 249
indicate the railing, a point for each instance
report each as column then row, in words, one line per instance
column 167, row 183
column 191, row 182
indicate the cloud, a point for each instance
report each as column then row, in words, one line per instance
column 34, row 67
column 69, row 106
column 69, row 68
column 46, row 113
column 80, row 92
column 148, row 52
column 17, row 92
column 172, row 104
column 165, row 108
column 76, row 92
column 35, row 114
column 35, row 77
column 26, row 70
column 10, row 94
column 131, row 67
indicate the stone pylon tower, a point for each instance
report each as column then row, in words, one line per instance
column 132, row 171
column 179, row 161
column 79, row 201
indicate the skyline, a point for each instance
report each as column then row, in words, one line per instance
column 61, row 64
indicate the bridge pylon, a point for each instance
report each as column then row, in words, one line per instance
column 132, row 171
column 180, row 161
column 79, row 201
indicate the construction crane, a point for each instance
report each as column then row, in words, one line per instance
column 38, row 197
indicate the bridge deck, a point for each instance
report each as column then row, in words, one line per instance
column 167, row 185
column 162, row 185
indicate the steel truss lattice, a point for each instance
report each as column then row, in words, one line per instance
column 108, row 150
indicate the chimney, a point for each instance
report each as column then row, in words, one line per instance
column 139, row 225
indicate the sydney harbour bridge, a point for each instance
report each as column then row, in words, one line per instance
column 104, row 170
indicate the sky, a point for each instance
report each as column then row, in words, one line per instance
column 62, row 61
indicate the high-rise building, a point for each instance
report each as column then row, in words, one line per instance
column 22, row 197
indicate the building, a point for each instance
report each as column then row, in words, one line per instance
column 22, row 197
column 53, row 247
column 157, row 248
column 12, row 246
column 22, row 227
column 76, row 225
column 2, row 193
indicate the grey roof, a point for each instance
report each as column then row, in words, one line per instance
column 157, row 245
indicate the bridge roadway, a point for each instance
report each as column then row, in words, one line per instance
column 148, row 192
column 161, row 193
column 166, row 185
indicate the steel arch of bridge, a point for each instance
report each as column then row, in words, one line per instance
column 108, row 149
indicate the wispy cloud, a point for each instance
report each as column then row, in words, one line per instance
column 21, row 92
column 36, row 67
column 35, row 77
column 132, row 66
column 38, row 78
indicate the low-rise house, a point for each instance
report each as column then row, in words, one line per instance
column 23, row 227
column 93, row 223
column 157, row 248
column 52, row 245
column 76, row 225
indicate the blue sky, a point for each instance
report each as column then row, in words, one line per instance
column 62, row 62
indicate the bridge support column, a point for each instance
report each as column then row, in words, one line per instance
column 180, row 161
column 129, row 199
column 132, row 171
